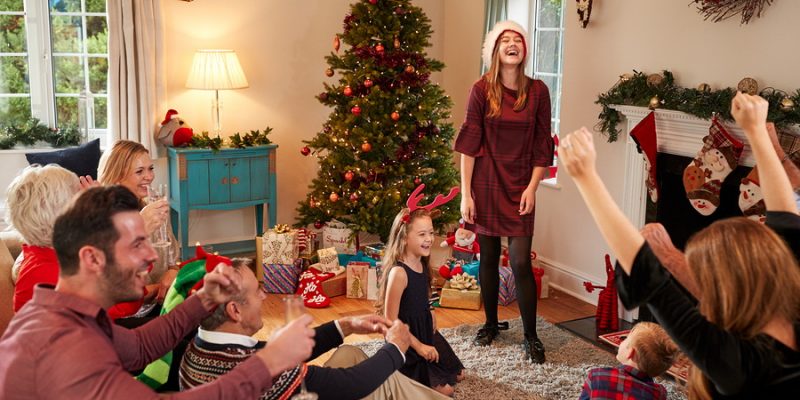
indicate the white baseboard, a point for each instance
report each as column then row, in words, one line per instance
column 569, row 280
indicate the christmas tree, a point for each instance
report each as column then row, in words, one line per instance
column 388, row 131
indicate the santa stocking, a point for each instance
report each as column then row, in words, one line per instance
column 751, row 202
column 644, row 134
column 702, row 179
column 310, row 287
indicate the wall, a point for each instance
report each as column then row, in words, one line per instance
column 282, row 50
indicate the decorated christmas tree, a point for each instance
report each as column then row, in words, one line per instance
column 389, row 130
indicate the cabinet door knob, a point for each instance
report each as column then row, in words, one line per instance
column 235, row 180
column 225, row 181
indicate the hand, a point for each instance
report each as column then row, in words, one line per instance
column 87, row 182
column 165, row 283
column 527, row 202
column 154, row 215
column 577, row 154
column 750, row 112
column 467, row 208
column 151, row 294
column 399, row 335
column 288, row 346
column 219, row 286
column 429, row 353
column 364, row 324
column 670, row 257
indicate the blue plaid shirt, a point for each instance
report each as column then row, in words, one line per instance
column 622, row 382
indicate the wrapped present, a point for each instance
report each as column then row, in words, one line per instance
column 374, row 282
column 306, row 242
column 336, row 286
column 375, row 250
column 280, row 278
column 472, row 268
column 456, row 295
column 279, row 246
column 357, row 280
column 337, row 235
column 508, row 287
column 328, row 260
column 359, row 257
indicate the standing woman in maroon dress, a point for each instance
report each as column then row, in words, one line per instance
column 505, row 147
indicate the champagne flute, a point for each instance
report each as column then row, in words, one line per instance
column 156, row 193
column 294, row 310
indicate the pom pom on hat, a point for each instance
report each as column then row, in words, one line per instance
column 490, row 41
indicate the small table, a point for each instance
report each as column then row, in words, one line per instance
column 227, row 179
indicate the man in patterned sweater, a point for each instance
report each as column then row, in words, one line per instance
column 224, row 340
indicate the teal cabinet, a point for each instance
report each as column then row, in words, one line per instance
column 228, row 179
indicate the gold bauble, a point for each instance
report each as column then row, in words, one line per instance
column 375, row 200
column 410, row 69
column 655, row 102
column 748, row 85
column 655, row 79
column 787, row 104
column 704, row 87
column 329, row 72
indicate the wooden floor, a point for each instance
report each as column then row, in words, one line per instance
column 556, row 308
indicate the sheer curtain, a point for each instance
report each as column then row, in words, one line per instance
column 136, row 70
column 496, row 11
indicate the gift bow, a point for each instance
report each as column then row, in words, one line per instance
column 281, row 228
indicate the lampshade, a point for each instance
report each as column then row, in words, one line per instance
column 216, row 70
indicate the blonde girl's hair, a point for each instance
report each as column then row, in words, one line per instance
column 495, row 87
column 116, row 162
column 396, row 247
column 748, row 277
column 36, row 197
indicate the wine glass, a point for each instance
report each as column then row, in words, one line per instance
column 156, row 193
column 294, row 310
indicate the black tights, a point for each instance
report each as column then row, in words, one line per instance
column 519, row 254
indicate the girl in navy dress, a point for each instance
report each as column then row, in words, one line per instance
column 405, row 294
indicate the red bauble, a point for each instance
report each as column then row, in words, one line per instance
column 348, row 176
column 318, row 224
column 379, row 48
column 356, row 110
column 410, row 69
column 347, row 91
column 305, row 151
column 436, row 130
column 373, row 1
column 367, row 83
column 334, row 197
column 366, row 147
column 336, row 42
column 329, row 72
column 417, row 181
column 395, row 116
column 323, row 96
column 396, row 43
column 354, row 197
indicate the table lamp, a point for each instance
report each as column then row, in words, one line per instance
column 216, row 70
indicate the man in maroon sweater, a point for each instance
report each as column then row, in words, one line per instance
column 63, row 345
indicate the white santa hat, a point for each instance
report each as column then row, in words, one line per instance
column 491, row 40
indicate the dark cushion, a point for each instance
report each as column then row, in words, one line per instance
column 81, row 160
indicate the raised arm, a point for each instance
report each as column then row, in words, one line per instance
column 578, row 156
column 750, row 113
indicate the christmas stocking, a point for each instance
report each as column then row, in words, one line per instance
column 751, row 202
column 702, row 179
column 310, row 287
column 644, row 134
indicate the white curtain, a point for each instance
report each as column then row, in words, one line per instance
column 136, row 67
column 496, row 11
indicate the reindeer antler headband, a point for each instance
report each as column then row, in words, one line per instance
column 413, row 200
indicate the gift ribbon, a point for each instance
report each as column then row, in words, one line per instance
column 281, row 228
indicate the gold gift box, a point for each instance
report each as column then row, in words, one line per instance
column 457, row 298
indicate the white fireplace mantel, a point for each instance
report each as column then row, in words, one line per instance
column 677, row 133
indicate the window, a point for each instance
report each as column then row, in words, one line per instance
column 56, row 71
column 545, row 22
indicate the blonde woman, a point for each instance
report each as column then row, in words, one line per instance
column 742, row 336
column 35, row 198
column 505, row 147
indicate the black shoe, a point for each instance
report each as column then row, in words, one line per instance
column 488, row 332
column 534, row 349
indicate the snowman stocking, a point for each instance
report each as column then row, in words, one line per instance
column 310, row 287
column 751, row 202
column 644, row 134
column 702, row 179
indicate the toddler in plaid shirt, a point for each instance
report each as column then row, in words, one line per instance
column 646, row 353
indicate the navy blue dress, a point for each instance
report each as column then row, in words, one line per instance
column 415, row 312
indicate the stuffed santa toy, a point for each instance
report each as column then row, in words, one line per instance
column 464, row 244
column 174, row 132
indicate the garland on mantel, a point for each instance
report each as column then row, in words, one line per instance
column 660, row 91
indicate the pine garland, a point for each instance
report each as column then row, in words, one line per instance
column 252, row 138
column 634, row 90
column 33, row 131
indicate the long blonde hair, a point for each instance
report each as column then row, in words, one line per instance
column 495, row 87
column 748, row 277
column 116, row 162
column 396, row 247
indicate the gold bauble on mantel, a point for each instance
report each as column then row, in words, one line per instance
column 655, row 102
column 787, row 104
column 748, row 85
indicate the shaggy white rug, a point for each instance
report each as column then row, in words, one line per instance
column 501, row 372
